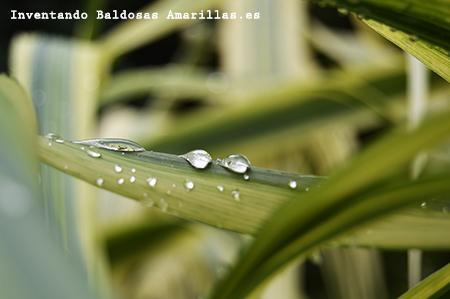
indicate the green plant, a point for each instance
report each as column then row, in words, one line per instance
column 280, row 117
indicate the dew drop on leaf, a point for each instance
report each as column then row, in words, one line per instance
column 113, row 144
column 93, row 154
column 236, row 195
column 117, row 168
column 246, row 177
column 293, row 184
column 220, row 188
column 236, row 163
column 189, row 185
column 121, row 181
column 132, row 179
column 199, row 159
column 152, row 181
column 99, row 182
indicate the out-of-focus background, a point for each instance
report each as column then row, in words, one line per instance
column 302, row 89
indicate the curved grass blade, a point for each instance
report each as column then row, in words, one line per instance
column 28, row 247
column 214, row 196
column 339, row 205
column 434, row 286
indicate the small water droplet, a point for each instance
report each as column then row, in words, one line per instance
column 82, row 148
column 189, row 185
column 50, row 144
column 132, row 179
column 152, row 181
column 120, row 181
column 168, row 192
column 133, row 170
column 117, row 168
column 51, row 136
column 293, row 184
column 220, row 188
column 99, row 182
column 236, row 195
column 307, row 189
column 199, row 159
column 59, row 140
column 66, row 167
column 113, row 144
column 163, row 204
column 423, row 205
column 93, row 154
column 246, row 177
column 236, row 162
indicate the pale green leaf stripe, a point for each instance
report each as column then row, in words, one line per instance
column 434, row 286
column 265, row 190
column 334, row 208
column 135, row 33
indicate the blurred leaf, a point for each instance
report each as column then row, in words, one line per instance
column 135, row 33
column 173, row 81
column 345, row 201
column 32, row 264
column 425, row 26
column 434, row 286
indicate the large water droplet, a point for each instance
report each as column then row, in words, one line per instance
column 99, row 182
column 152, row 181
column 117, row 168
column 292, row 184
column 113, row 144
column 121, row 181
column 93, row 154
column 236, row 162
column 189, row 185
column 199, row 159
column 236, row 195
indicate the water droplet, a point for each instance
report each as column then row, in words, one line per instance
column 66, row 167
column 163, row 204
column 220, row 188
column 133, row 170
column 113, row 144
column 189, row 185
column 246, row 177
column 343, row 11
column 93, row 154
column 174, row 185
column 50, row 144
column 59, row 140
column 199, row 159
column 293, row 184
column 168, row 192
column 132, row 179
column 423, row 205
column 51, row 136
column 117, row 168
column 236, row 162
column 236, row 195
column 307, row 189
column 120, row 181
column 152, row 181
column 82, row 148
column 99, row 182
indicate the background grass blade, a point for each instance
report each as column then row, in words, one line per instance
column 205, row 203
column 27, row 245
column 304, row 224
column 435, row 285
